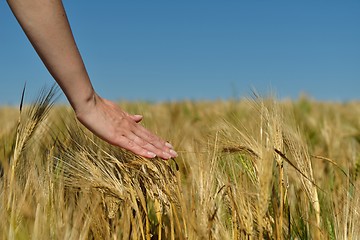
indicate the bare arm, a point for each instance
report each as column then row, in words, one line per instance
column 46, row 25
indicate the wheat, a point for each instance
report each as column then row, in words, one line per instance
column 246, row 170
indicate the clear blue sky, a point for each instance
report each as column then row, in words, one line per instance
column 192, row 49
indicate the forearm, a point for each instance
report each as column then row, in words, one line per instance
column 45, row 24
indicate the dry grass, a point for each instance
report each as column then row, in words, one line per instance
column 250, row 169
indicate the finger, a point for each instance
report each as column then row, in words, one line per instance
column 138, row 146
column 136, row 118
column 149, row 147
column 150, row 138
column 130, row 145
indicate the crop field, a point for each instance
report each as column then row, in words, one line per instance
column 254, row 168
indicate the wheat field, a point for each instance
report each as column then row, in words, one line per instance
column 254, row 168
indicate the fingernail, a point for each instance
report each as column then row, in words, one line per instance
column 167, row 156
column 151, row 154
column 173, row 153
column 169, row 145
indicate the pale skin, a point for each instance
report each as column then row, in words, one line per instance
column 46, row 25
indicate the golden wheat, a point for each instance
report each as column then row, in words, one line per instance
column 249, row 169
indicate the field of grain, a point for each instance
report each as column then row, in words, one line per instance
column 247, row 169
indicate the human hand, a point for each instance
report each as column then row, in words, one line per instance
column 109, row 122
column 47, row 27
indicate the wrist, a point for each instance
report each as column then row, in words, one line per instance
column 85, row 104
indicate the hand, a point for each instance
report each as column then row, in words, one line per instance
column 109, row 122
column 47, row 27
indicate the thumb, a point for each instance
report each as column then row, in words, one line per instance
column 136, row 118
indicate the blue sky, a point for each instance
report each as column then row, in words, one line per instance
column 197, row 49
